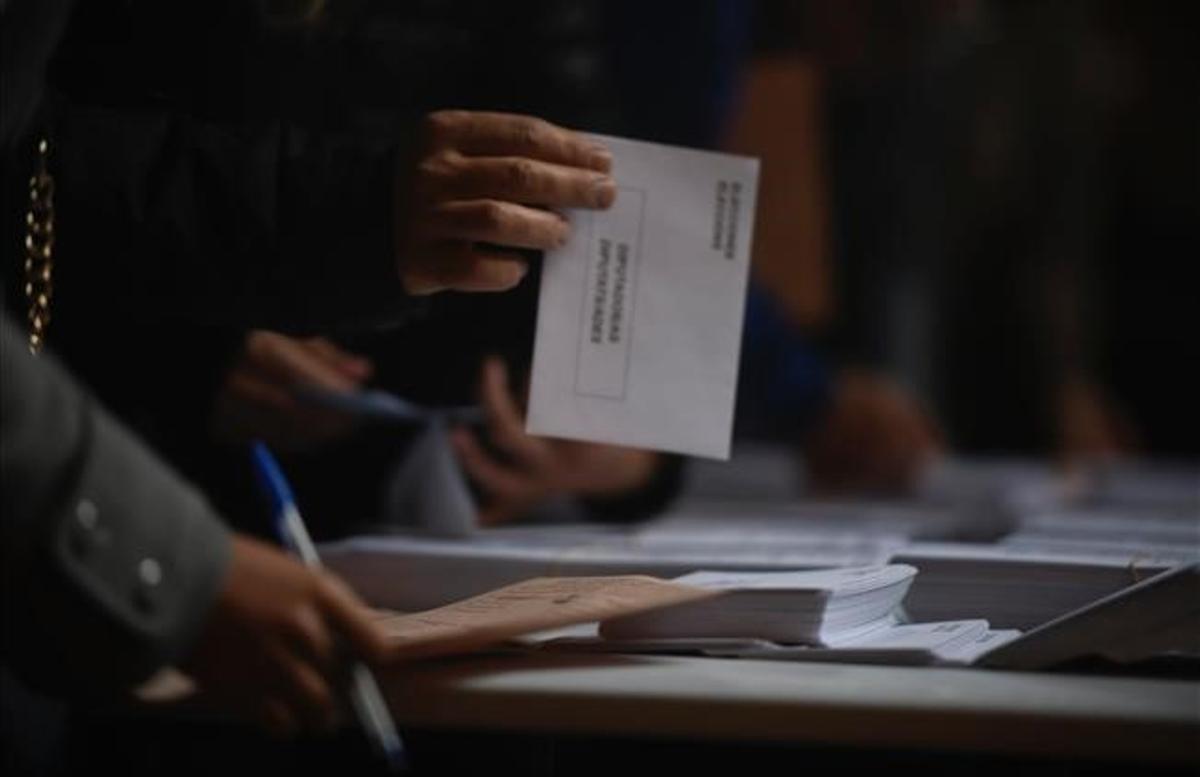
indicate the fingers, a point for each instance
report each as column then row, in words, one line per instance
column 251, row 406
column 490, row 178
column 308, row 636
column 253, row 391
column 498, row 222
column 260, row 392
column 352, row 619
column 478, row 133
column 289, row 362
column 505, row 422
column 452, row 262
column 501, row 483
column 356, row 368
column 312, row 702
column 518, row 179
column 463, row 267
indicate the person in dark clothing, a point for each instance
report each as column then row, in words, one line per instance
column 158, row 214
column 112, row 565
column 555, row 59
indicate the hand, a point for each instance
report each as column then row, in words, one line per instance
column 272, row 647
column 1091, row 426
column 538, row 467
column 873, row 438
column 259, row 400
column 484, row 183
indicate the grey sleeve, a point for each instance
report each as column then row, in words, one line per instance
column 110, row 560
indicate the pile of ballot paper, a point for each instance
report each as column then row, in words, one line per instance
column 824, row 607
column 840, row 615
column 851, row 616
column 916, row 644
column 844, row 617
column 1014, row 588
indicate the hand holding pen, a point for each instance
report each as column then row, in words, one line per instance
column 363, row 633
column 269, row 650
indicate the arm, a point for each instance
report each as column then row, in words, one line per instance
column 111, row 562
column 272, row 226
column 114, row 567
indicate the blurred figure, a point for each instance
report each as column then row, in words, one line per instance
column 860, row 431
column 114, row 566
column 1014, row 184
column 994, row 197
column 779, row 119
column 260, row 395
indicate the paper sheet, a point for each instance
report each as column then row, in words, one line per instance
column 842, row 581
column 429, row 489
column 640, row 318
column 533, row 605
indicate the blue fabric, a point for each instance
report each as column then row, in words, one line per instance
column 784, row 383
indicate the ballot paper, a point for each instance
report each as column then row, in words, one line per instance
column 822, row 607
column 1013, row 587
column 640, row 317
column 913, row 644
column 532, row 605
column 429, row 488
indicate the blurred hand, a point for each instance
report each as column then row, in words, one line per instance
column 1090, row 424
column 259, row 400
column 538, row 468
column 873, row 438
column 273, row 647
column 484, row 183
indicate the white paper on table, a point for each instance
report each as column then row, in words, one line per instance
column 640, row 318
column 847, row 580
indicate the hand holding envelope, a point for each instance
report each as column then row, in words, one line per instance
column 483, row 180
column 640, row 318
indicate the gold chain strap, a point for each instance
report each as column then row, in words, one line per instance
column 39, row 249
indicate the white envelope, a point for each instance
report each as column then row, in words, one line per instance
column 640, row 318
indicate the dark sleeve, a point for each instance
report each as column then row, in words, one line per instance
column 110, row 561
column 257, row 223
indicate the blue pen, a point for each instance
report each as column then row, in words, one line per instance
column 365, row 695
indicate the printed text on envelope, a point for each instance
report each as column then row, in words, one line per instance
column 613, row 254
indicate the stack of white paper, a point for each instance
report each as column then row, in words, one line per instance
column 1158, row 486
column 1014, row 587
column 1158, row 616
column 915, row 644
column 948, row 643
column 1164, row 533
column 865, row 520
column 817, row 608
